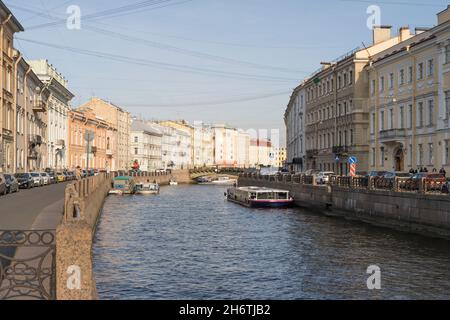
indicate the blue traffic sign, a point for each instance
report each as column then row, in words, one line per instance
column 352, row 160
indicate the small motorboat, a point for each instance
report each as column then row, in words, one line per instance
column 173, row 183
column 123, row 185
column 225, row 181
column 147, row 188
column 256, row 197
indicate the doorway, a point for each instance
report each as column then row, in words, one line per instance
column 399, row 160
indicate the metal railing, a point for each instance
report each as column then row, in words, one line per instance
column 27, row 265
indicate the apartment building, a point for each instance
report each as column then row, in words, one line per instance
column 336, row 111
column 120, row 120
column 261, row 153
column 8, row 61
column 294, row 119
column 409, row 102
column 58, row 112
column 203, row 145
column 146, row 145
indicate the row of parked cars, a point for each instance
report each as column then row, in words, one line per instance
column 11, row 183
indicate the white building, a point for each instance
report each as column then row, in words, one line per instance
column 243, row 149
column 225, row 151
column 58, row 110
column 261, row 153
column 295, row 131
column 203, row 145
column 146, row 145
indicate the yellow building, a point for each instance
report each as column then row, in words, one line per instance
column 120, row 120
column 336, row 106
column 409, row 102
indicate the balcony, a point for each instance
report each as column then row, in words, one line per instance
column 39, row 106
column 109, row 152
column 61, row 143
column 392, row 135
column 340, row 150
column 312, row 153
column 35, row 140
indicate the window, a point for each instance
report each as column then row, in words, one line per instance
column 382, row 120
column 339, row 82
column 372, row 89
column 430, row 67
column 447, row 152
column 136, row 151
column 410, row 153
column 430, row 112
column 447, row 54
column 430, row 154
column 350, row 78
column 420, row 115
column 345, row 79
column 382, row 84
column 372, row 124
column 402, row 117
column 447, row 104
column 420, row 71
column 410, row 111
column 402, row 77
column 391, row 81
column 352, row 141
column 420, row 154
column 136, row 139
column 373, row 157
column 391, row 118
column 410, row 74
column 382, row 156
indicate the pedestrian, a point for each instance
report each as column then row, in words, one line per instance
column 443, row 172
column 78, row 173
column 425, row 170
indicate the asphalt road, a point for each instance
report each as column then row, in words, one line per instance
column 20, row 210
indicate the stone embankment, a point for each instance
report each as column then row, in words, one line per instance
column 424, row 211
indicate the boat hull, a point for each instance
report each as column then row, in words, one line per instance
column 264, row 204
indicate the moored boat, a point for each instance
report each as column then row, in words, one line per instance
column 147, row 188
column 173, row 182
column 123, row 185
column 256, row 197
column 225, row 181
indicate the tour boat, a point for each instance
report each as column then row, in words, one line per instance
column 123, row 185
column 224, row 181
column 256, row 197
column 147, row 188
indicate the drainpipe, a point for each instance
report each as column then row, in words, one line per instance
column 414, row 100
column 25, row 105
column 16, row 76
column 2, row 31
column 377, row 105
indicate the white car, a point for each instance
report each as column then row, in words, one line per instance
column 45, row 178
column 324, row 177
column 38, row 181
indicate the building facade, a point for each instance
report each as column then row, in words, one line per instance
column 261, row 153
column 146, row 145
column 280, row 157
column 120, row 120
column 294, row 120
column 82, row 121
column 203, row 145
column 337, row 123
column 410, row 102
column 8, row 61
column 58, row 112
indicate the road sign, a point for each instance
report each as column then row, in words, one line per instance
column 353, row 170
column 352, row 160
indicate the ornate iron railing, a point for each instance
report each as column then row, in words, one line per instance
column 27, row 265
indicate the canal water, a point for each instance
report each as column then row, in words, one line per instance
column 189, row 243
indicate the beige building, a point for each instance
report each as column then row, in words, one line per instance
column 336, row 108
column 279, row 157
column 410, row 102
column 203, row 145
column 8, row 60
column 121, row 121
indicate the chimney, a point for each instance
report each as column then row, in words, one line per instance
column 381, row 33
column 404, row 33
column 444, row 16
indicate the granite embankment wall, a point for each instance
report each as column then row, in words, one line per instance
column 83, row 204
column 426, row 214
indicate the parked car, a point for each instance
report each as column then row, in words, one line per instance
column 377, row 173
column 324, row 177
column 52, row 177
column 84, row 174
column 38, row 181
column 12, row 185
column 60, row 177
column 45, row 178
column 3, row 189
column 25, row 180
column 434, row 180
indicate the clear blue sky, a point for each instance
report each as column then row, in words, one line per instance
column 249, row 48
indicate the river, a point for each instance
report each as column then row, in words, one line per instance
column 189, row 243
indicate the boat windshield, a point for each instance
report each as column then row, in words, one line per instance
column 273, row 196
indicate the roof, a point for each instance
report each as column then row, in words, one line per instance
column 145, row 127
column 8, row 12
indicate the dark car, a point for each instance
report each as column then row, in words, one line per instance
column 84, row 174
column 377, row 173
column 3, row 189
column 52, row 176
column 25, row 180
column 12, row 185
